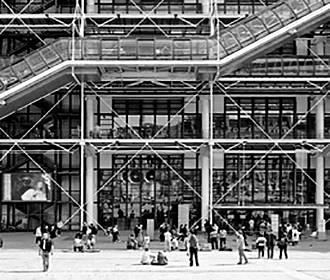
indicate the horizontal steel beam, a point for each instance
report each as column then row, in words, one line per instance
column 271, row 207
column 176, row 141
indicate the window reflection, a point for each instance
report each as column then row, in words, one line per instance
column 147, row 189
column 271, row 181
column 257, row 118
column 148, row 118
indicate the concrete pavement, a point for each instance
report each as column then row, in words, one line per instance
column 121, row 264
column 19, row 259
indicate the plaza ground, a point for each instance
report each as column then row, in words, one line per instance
column 310, row 260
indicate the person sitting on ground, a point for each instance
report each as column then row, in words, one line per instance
column 78, row 244
column 160, row 260
column 147, row 257
column 131, row 242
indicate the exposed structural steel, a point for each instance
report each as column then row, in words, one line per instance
column 31, row 78
column 238, row 44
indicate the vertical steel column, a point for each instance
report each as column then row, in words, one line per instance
column 90, row 6
column 205, row 161
column 206, row 5
column 82, row 19
column 319, row 193
column 89, row 167
column 210, row 144
column 82, row 152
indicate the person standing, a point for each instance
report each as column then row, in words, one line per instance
column 193, row 248
column 240, row 247
column 214, row 239
column 115, row 234
column 84, row 229
column 208, row 229
column 261, row 244
column 295, row 236
column 167, row 240
column 223, row 238
column 46, row 248
column 283, row 245
column 38, row 235
column 271, row 238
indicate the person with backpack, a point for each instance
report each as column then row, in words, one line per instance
column 46, row 248
column 282, row 244
column 192, row 248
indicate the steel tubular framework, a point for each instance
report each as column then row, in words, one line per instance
column 77, row 22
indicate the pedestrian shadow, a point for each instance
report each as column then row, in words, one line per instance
column 225, row 264
column 20, row 271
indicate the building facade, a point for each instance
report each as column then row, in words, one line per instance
column 117, row 111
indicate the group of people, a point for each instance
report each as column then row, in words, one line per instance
column 173, row 239
column 216, row 236
column 137, row 238
column 161, row 259
column 52, row 230
column 85, row 239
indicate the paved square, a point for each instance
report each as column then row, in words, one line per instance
column 120, row 264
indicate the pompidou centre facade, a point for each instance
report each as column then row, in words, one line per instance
column 120, row 111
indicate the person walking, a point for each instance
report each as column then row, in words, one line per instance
column 261, row 244
column 271, row 238
column 283, row 246
column 192, row 248
column 46, row 248
column 240, row 247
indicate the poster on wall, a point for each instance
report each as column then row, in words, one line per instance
column 26, row 187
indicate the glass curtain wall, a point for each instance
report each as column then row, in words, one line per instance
column 274, row 180
column 149, row 118
column 146, row 189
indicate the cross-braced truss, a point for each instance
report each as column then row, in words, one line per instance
column 124, row 75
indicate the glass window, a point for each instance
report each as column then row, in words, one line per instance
column 299, row 7
column 242, row 34
column 270, row 20
column 229, row 42
column 257, row 27
column 284, row 13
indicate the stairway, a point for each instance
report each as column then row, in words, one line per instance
column 26, row 6
column 49, row 67
column 288, row 66
column 270, row 28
